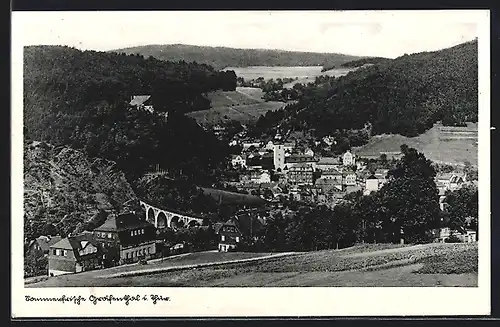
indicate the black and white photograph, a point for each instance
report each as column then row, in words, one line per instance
column 234, row 151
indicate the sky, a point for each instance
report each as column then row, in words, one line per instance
column 364, row 33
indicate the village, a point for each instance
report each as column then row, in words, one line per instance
column 275, row 170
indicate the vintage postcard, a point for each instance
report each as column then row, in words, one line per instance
column 238, row 164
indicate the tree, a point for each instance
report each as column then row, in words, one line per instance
column 462, row 208
column 411, row 196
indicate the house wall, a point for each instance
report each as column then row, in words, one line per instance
column 59, row 265
column 226, row 247
column 371, row 184
column 134, row 253
column 350, row 180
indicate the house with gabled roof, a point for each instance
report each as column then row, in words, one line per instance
column 243, row 225
column 328, row 163
column 75, row 254
column 42, row 244
column 127, row 238
column 144, row 102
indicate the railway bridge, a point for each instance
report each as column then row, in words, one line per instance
column 163, row 218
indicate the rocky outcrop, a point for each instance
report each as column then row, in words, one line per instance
column 67, row 190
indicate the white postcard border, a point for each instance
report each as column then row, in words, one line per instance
column 293, row 302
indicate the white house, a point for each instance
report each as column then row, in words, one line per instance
column 308, row 152
column 348, row 159
column 260, row 177
column 349, row 179
column 451, row 181
column 270, row 145
column 328, row 140
column 249, row 144
column 142, row 102
column 238, row 161
column 371, row 184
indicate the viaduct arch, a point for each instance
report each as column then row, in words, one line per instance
column 162, row 218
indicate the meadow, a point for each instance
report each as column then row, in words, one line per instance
column 245, row 105
column 367, row 265
column 441, row 144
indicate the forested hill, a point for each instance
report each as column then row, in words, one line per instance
column 79, row 98
column 222, row 57
column 401, row 96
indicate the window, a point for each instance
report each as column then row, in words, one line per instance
column 54, row 252
column 142, row 231
column 58, row 252
column 110, row 235
column 222, row 238
column 126, row 255
column 132, row 233
column 149, row 250
column 237, row 239
column 64, row 252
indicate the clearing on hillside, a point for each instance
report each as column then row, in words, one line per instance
column 441, row 144
column 245, row 105
column 243, row 113
column 227, row 197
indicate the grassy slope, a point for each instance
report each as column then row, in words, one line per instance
column 221, row 57
column 441, row 144
column 233, row 197
column 243, row 105
column 371, row 265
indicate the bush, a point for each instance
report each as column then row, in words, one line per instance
column 453, row 239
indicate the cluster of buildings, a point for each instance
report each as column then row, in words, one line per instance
column 282, row 166
column 121, row 239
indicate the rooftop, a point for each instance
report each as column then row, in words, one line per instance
column 139, row 99
column 122, row 222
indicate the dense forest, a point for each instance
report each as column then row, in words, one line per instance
column 222, row 57
column 404, row 96
column 365, row 61
column 80, row 98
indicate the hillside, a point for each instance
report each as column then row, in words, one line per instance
column 222, row 57
column 80, row 98
column 67, row 189
column 369, row 265
column 450, row 145
column 404, row 96
column 244, row 105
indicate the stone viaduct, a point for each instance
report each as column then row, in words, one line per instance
column 162, row 218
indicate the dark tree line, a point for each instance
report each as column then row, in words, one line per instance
column 222, row 57
column 81, row 99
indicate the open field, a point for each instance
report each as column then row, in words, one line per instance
column 245, row 105
column 301, row 72
column 227, row 197
column 234, row 98
column 242, row 113
column 337, row 72
column 441, row 144
column 361, row 266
